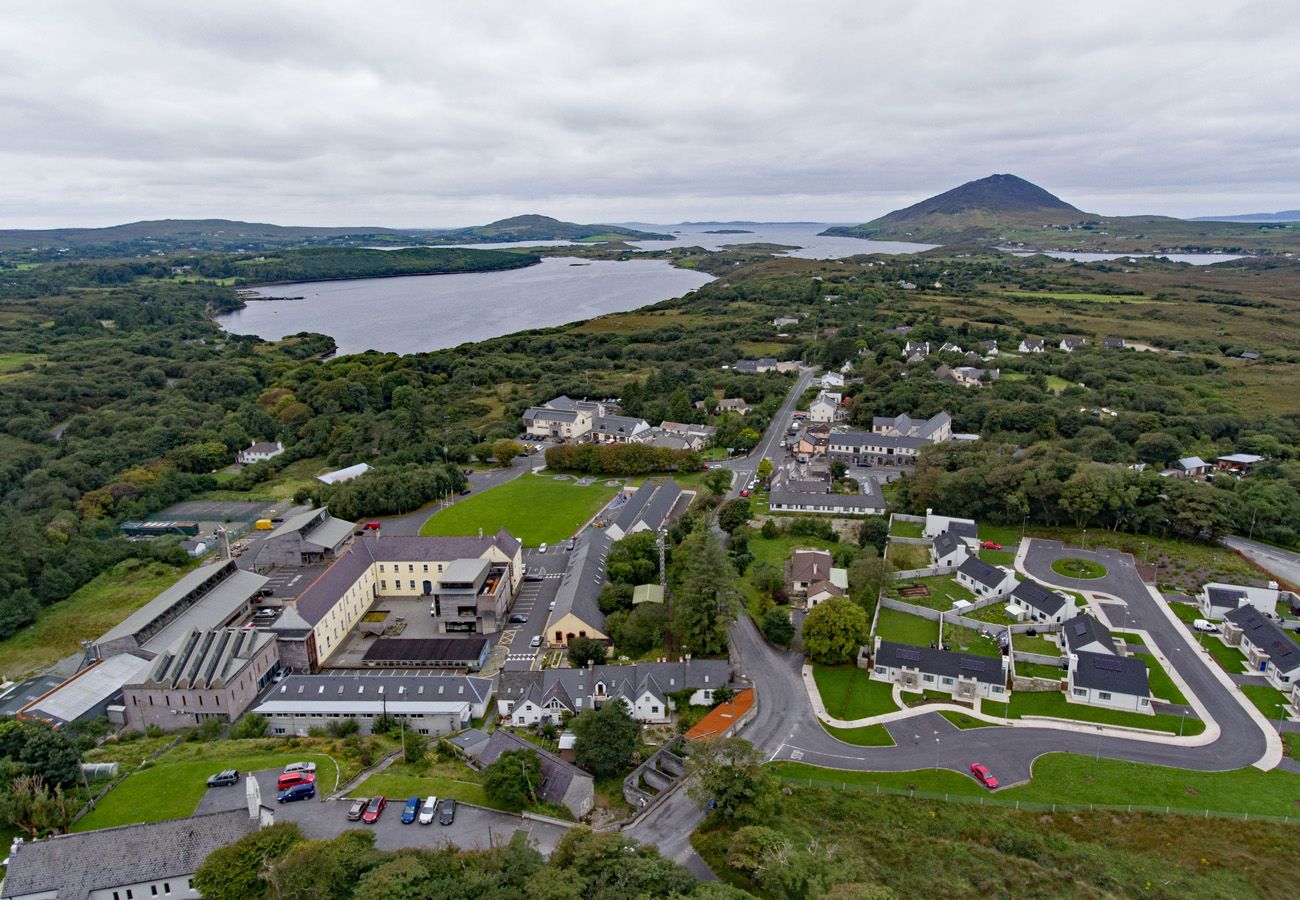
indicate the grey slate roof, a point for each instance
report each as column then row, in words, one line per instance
column 583, row 577
column 207, row 659
column 941, row 662
column 1283, row 652
column 1224, row 598
column 1031, row 593
column 203, row 598
column 982, row 573
column 73, row 865
column 374, row 684
column 945, row 544
column 624, row 425
column 465, row 651
column 321, row 595
column 557, row 774
column 1083, row 630
column 668, row 678
column 469, row 742
column 652, row 503
column 1117, row 674
column 550, row 415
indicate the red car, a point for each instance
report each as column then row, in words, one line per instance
column 745, row 492
column 989, row 545
column 289, row 779
column 373, row 809
column 983, row 775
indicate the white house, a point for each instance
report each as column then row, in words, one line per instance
column 1032, row 345
column 916, row 348
column 532, row 697
column 984, row 580
column 259, row 451
column 1031, row 602
column 559, row 424
column 1216, row 599
column 1069, row 345
column 1084, row 634
column 1102, row 679
column 963, row 675
column 964, row 529
column 1268, row 649
column 826, row 408
column 618, row 430
column 948, row 551
column 832, row 380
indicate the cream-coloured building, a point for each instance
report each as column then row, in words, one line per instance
column 313, row 627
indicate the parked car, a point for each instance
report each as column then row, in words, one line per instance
column 269, row 612
column 983, row 775
column 410, row 810
column 371, row 526
column 536, row 641
column 224, row 779
column 1204, row 625
column 373, row 810
column 447, row 814
column 429, row 810
column 465, row 492
column 289, row 779
column 745, row 492
column 300, row 767
column 357, row 808
column 552, row 606
column 304, row 791
column 989, row 545
column 543, row 548
column 518, row 619
column 573, row 542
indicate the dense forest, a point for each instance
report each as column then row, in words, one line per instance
column 120, row 396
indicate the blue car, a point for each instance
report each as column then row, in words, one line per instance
column 410, row 810
column 304, row 791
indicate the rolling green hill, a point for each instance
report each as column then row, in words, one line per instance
column 544, row 228
column 203, row 234
column 1003, row 210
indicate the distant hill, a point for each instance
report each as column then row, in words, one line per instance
column 1286, row 215
column 544, row 228
column 167, row 234
column 1004, row 210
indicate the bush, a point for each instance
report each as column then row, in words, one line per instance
column 777, row 627
column 585, row 651
column 343, row 727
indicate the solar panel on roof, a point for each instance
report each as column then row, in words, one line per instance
column 1080, row 627
column 911, row 655
column 1108, row 663
column 974, row 665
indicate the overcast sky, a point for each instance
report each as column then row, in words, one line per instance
column 398, row 114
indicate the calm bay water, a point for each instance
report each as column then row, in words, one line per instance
column 417, row 313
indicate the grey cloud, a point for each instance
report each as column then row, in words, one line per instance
column 422, row 114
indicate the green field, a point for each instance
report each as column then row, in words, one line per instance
column 1073, row 567
column 1267, row 699
column 904, row 628
column 866, row 736
column 998, row 557
column 848, row 692
column 173, row 787
column 907, row 556
column 92, row 610
column 1054, row 704
column 441, row 780
column 537, row 509
column 903, row 528
column 1075, row 779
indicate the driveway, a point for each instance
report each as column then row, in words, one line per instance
column 475, row 828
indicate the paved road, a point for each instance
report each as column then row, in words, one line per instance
column 1284, row 564
column 746, row 466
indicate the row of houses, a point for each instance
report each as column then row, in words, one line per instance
column 765, row 364
column 1239, row 464
column 811, row 491
column 892, row 442
column 1069, row 344
column 563, row 419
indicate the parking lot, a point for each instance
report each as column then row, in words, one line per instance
column 475, row 828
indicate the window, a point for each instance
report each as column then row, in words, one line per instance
column 383, row 585
column 996, row 689
column 410, row 567
column 947, row 681
column 1103, row 695
column 928, row 678
column 381, row 567
column 881, row 670
column 153, row 889
column 167, row 887
column 654, row 710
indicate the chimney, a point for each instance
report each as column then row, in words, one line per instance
column 480, row 534
column 253, row 794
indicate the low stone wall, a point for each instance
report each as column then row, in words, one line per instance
column 903, row 606
column 661, row 772
column 1040, row 658
column 925, row 542
column 924, row 573
column 1032, row 685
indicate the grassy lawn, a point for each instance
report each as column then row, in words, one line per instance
column 966, row 640
column 904, row 628
column 1266, row 699
column 1053, row 703
column 1039, row 670
column 1186, row 612
column 173, row 787
column 866, row 736
column 89, row 612
column 996, row 614
column 1130, row 638
column 1076, row 779
column 943, row 592
column 849, row 693
column 1073, row 567
column 998, row 557
column 963, row 721
column 1291, row 744
column 1036, row 644
column 1162, row 686
column 908, row 556
column 900, row 528
column 536, row 509
column 436, row 779
column 775, row 551
column 1228, row 658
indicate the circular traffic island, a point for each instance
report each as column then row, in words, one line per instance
column 1074, row 567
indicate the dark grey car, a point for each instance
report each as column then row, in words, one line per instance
column 447, row 813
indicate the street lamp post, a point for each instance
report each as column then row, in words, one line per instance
column 936, row 751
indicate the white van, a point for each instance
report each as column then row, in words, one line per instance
column 1204, row 625
column 429, row 810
